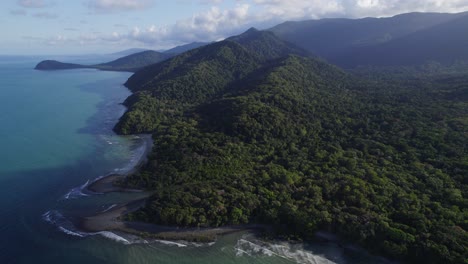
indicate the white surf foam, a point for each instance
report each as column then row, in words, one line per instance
column 170, row 243
column 112, row 236
column 69, row 232
column 283, row 250
column 51, row 216
column 108, row 208
column 64, row 225
column 76, row 192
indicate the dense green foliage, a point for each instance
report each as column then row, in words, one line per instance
column 247, row 137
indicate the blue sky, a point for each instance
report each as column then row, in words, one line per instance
column 89, row 26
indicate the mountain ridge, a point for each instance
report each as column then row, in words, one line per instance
column 132, row 60
column 186, row 47
column 337, row 39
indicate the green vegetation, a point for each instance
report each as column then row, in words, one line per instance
column 242, row 136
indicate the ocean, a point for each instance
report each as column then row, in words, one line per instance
column 56, row 137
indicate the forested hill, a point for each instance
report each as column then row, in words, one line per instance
column 243, row 136
column 407, row 39
column 129, row 63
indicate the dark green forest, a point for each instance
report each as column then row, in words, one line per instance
column 253, row 130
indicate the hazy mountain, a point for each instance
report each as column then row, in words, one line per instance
column 336, row 39
column 128, row 52
column 183, row 48
column 445, row 43
column 135, row 61
column 128, row 63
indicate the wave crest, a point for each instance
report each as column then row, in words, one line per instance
column 283, row 250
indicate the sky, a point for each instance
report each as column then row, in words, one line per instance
column 104, row 26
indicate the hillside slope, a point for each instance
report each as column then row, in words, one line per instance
column 247, row 136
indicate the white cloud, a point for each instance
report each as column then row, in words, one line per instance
column 119, row 5
column 213, row 24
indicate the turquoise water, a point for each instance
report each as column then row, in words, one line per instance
column 56, row 136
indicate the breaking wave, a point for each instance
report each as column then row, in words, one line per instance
column 55, row 218
column 65, row 226
column 77, row 192
column 295, row 253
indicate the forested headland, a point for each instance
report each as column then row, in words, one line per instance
column 255, row 130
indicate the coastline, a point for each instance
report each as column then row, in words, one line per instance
column 111, row 219
column 105, row 184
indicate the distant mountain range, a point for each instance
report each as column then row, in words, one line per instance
column 407, row 39
column 132, row 60
column 128, row 52
column 129, row 63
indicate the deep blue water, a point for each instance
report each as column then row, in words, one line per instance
column 56, row 135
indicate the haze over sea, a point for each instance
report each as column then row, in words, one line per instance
column 56, row 135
